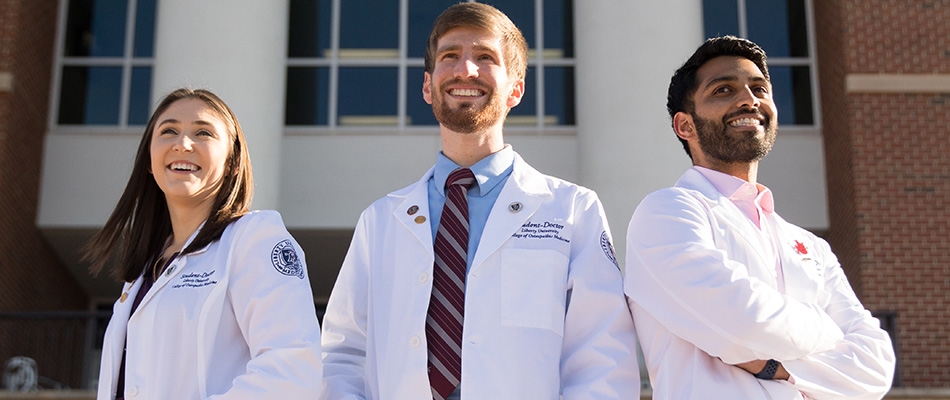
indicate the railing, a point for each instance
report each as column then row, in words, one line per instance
column 51, row 349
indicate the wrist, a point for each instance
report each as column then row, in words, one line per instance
column 768, row 373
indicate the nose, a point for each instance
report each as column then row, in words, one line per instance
column 466, row 68
column 748, row 99
column 184, row 143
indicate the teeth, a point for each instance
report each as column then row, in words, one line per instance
column 466, row 92
column 184, row 167
column 744, row 122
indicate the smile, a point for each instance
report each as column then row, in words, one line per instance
column 183, row 167
column 466, row 92
column 744, row 122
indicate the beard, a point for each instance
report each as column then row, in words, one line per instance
column 468, row 117
column 716, row 142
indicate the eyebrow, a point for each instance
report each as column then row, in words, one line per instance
column 733, row 78
column 175, row 121
column 455, row 47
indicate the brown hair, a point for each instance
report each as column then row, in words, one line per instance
column 140, row 225
column 486, row 17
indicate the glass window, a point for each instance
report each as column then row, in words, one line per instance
column 104, row 70
column 782, row 29
column 360, row 62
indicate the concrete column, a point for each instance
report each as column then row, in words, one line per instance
column 626, row 52
column 237, row 49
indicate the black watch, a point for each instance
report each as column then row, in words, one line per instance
column 767, row 373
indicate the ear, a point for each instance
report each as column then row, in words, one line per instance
column 517, row 92
column 426, row 87
column 684, row 126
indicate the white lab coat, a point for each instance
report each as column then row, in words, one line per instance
column 544, row 310
column 221, row 323
column 705, row 297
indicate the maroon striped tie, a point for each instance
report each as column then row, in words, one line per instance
column 447, row 304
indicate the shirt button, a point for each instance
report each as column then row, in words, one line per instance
column 423, row 277
column 133, row 391
column 415, row 341
column 171, row 269
column 474, row 339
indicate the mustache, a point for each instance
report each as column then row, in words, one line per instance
column 470, row 82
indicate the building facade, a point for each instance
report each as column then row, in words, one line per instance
column 329, row 95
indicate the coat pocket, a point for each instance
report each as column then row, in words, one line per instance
column 534, row 289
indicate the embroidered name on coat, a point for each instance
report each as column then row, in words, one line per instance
column 195, row 280
column 541, row 230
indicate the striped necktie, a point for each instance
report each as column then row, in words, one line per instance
column 447, row 304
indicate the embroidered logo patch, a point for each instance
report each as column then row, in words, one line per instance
column 285, row 259
column 608, row 249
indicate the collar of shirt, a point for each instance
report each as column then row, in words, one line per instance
column 489, row 172
column 750, row 198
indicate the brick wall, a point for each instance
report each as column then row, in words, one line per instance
column 889, row 170
column 33, row 278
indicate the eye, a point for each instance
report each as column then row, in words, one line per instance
column 486, row 57
column 205, row 132
column 168, row 131
column 449, row 56
column 722, row 89
column 760, row 90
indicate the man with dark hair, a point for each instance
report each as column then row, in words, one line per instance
column 730, row 300
column 485, row 279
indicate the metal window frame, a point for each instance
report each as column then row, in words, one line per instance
column 402, row 63
column 810, row 61
column 127, row 62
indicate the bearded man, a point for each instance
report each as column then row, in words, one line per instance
column 731, row 301
column 485, row 279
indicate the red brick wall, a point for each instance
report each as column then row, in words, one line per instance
column 889, row 169
column 31, row 276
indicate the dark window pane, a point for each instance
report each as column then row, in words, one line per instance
column 521, row 13
column 369, row 24
column 418, row 111
column 367, row 96
column 559, row 95
column 791, row 91
column 90, row 95
column 95, row 28
column 307, row 95
column 720, row 17
column 778, row 26
column 422, row 13
column 144, row 28
column 140, row 95
column 559, row 26
column 309, row 28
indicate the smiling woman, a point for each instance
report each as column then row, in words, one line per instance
column 202, row 271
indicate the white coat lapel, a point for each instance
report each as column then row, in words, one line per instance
column 413, row 212
column 734, row 220
column 521, row 197
column 174, row 269
column 118, row 327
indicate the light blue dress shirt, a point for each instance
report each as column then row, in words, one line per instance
column 491, row 173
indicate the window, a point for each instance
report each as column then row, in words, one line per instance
column 359, row 63
column 783, row 29
column 103, row 73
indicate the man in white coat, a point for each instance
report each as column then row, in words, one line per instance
column 730, row 300
column 544, row 312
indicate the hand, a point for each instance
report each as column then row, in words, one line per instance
column 755, row 366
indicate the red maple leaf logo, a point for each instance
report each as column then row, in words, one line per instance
column 800, row 248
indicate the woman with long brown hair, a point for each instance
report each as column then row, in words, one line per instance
column 216, row 299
